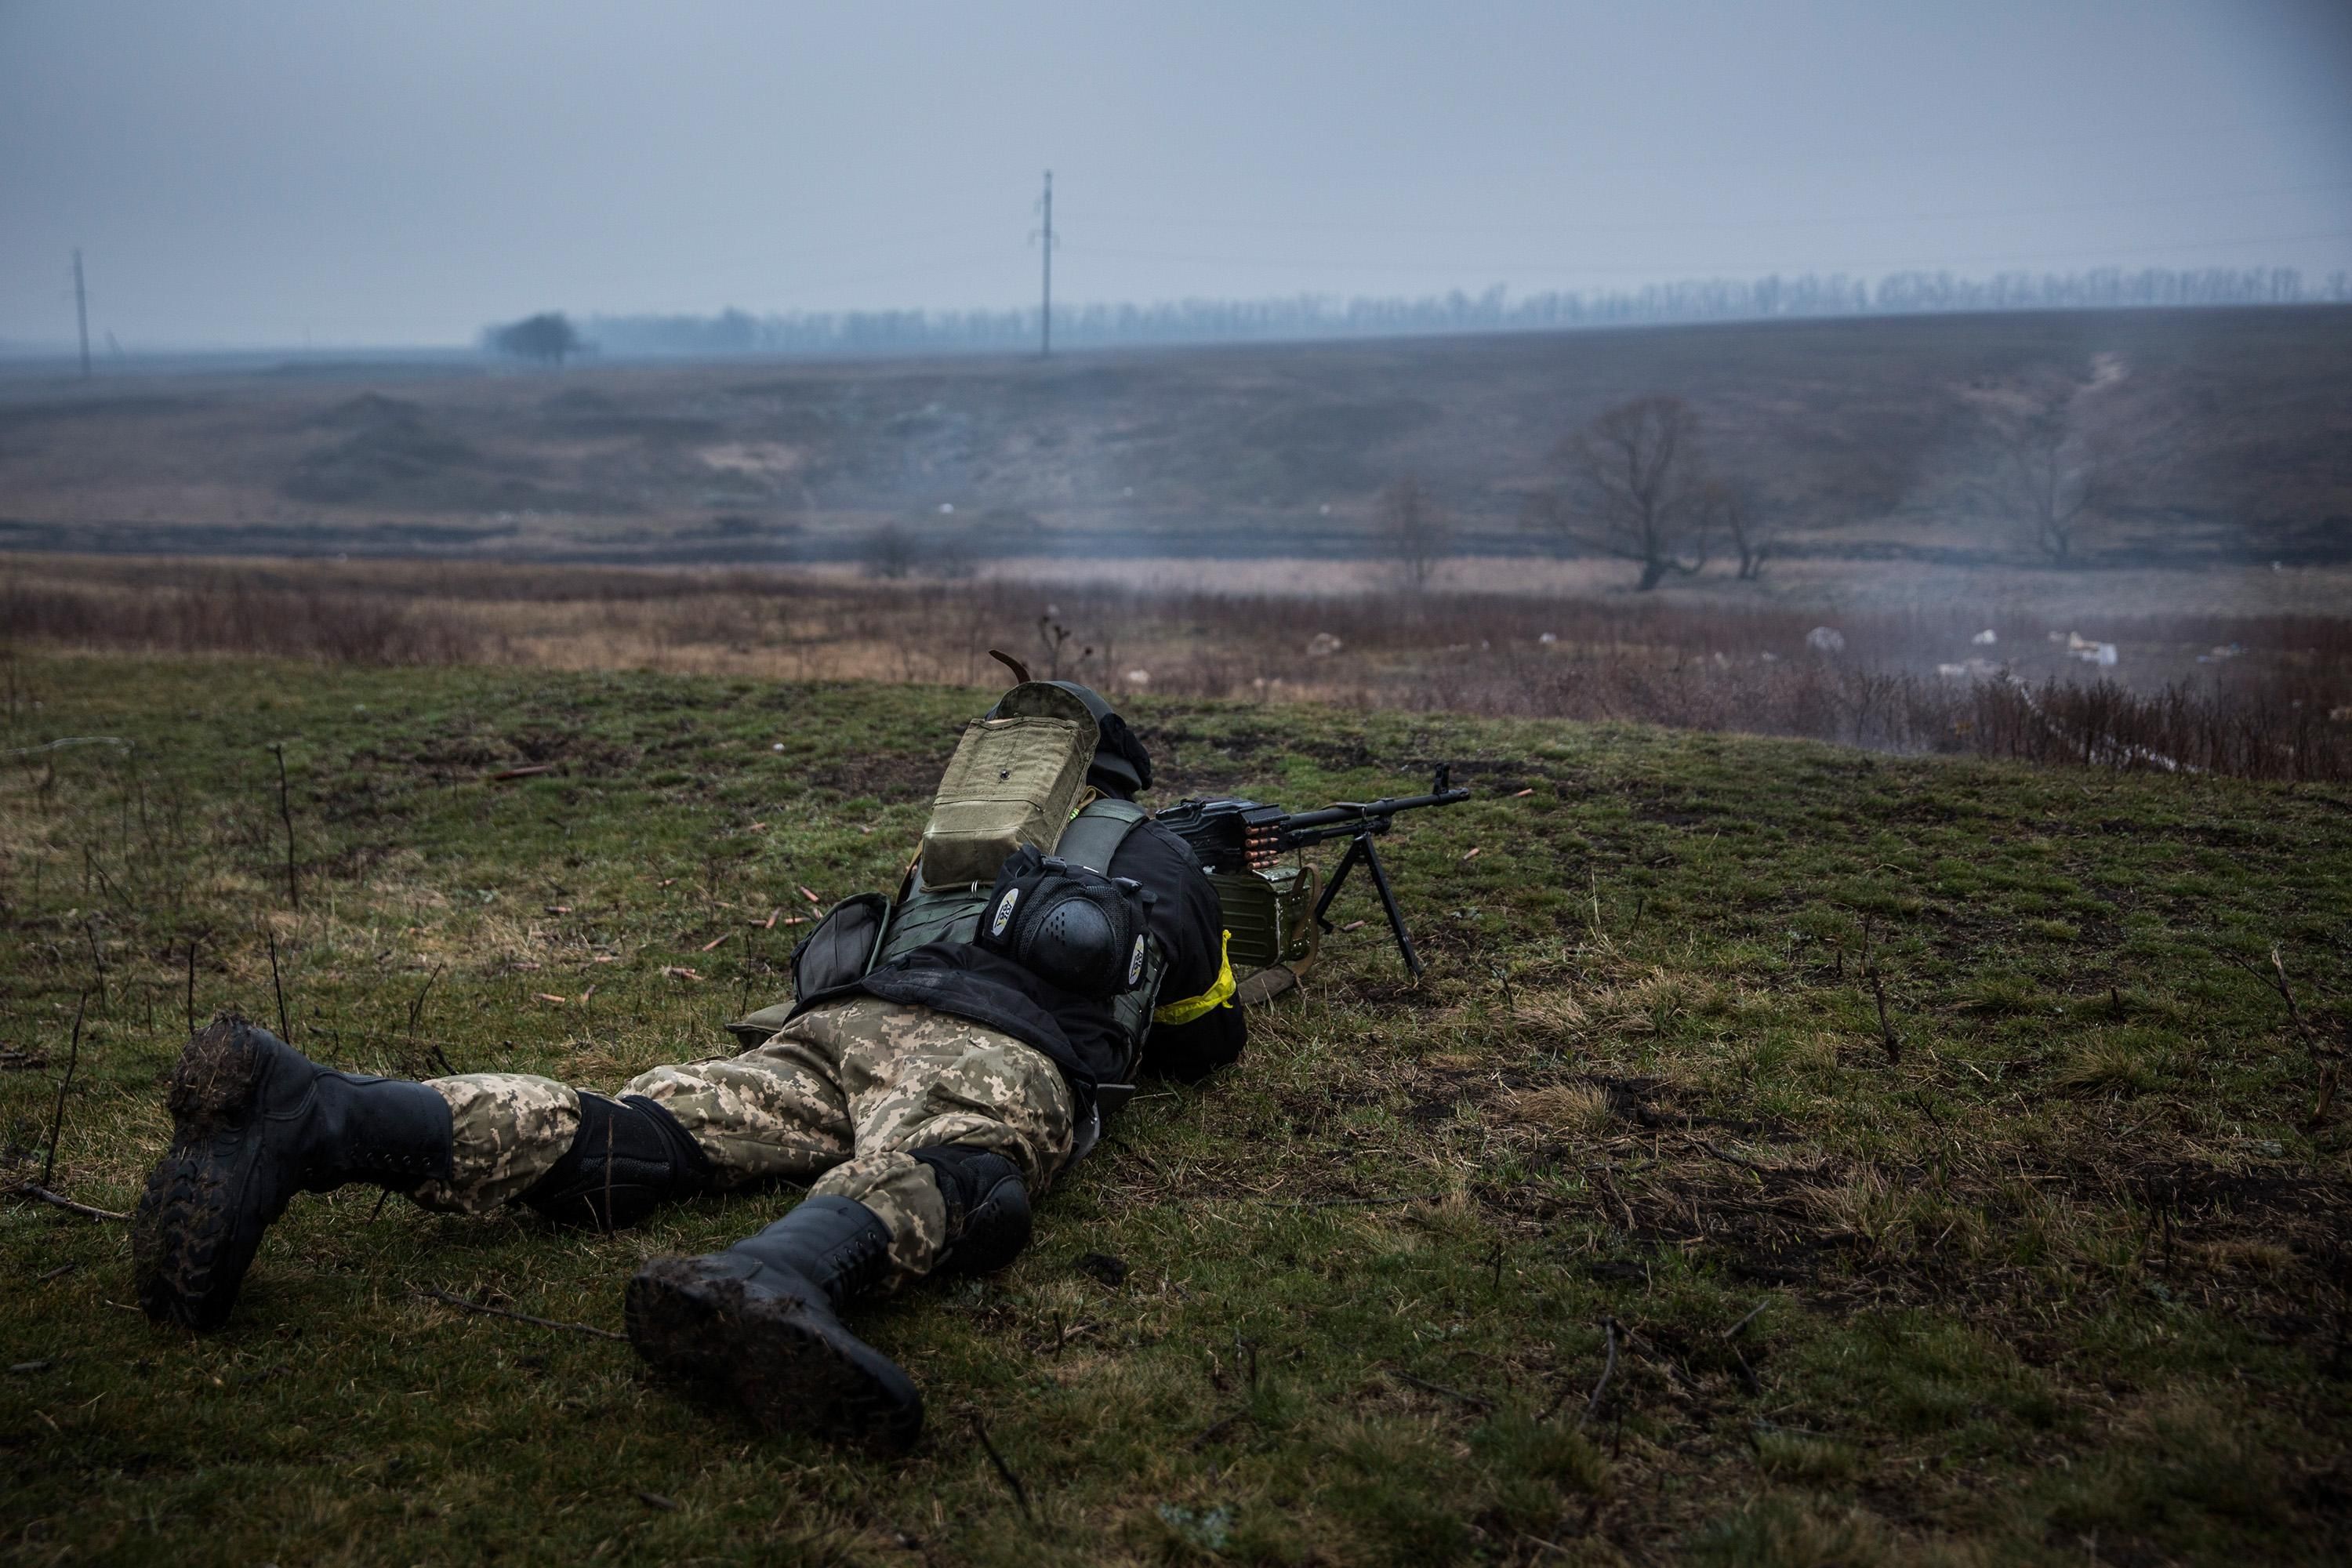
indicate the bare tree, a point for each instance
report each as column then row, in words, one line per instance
column 1636, row 488
column 548, row 337
column 2052, row 447
column 1739, row 512
column 1413, row 532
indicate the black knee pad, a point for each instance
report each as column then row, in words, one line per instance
column 629, row 1157
column 988, row 1207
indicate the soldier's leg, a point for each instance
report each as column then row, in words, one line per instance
column 254, row 1122
column 762, row 1320
column 773, row 1111
column 955, row 1125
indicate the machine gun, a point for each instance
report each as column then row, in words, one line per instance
column 1233, row 838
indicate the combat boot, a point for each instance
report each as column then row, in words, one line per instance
column 253, row 1122
column 760, row 1322
column 629, row 1156
column 988, row 1209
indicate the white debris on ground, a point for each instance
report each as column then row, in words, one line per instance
column 1825, row 639
column 1323, row 645
column 1548, row 639
column 1968, row 669
column 1139, row 677
column 2218, row 653
column 1985, row 638
column 2090, row 650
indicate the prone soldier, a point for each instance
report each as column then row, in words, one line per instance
column 946, row 1054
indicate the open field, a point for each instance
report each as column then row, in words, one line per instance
column 2266, row 695
column 1858, row 433
column 1795, row 1156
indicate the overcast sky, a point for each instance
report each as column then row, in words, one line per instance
column 400, row 171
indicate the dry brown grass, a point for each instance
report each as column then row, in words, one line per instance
column 2279, row 707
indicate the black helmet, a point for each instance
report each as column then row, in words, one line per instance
column 1121, row 765
column 1078, row 929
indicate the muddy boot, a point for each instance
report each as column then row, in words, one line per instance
column 629, row 1157
column 988, row 1209
column 761, row 1323
column 254, row 1122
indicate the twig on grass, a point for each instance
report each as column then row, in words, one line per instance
column 1878, row 990
column 416, row 1007
column 96, row 958
column 2275, row 981
column 61, row 744
column 43, row 1194
column 2326, row 1073
column 192, row 980
column 1347, row 1202
column 1727, row 1157
column 451, row 1298
column 286, row 814
column 276, row 985
column 1608, row 1369
column 1020, row 1492
column 1741, row 1327
column 57, row 1118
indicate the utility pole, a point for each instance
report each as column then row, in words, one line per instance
column 1045, row 314
column 81, row 314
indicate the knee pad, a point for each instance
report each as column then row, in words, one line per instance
column 989, row 1221
column 628, row 1158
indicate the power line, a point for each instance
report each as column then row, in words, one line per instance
column 1045, row 309
column 81, row 314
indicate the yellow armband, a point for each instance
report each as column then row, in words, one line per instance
column 1221, row 995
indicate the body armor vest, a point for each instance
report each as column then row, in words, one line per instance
column 925, row 914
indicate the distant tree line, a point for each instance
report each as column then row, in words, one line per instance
column 1307, row 316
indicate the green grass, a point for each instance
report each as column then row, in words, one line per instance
column 2065, row 1272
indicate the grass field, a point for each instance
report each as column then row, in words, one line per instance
column 1861, row 435
column 1794, row 1156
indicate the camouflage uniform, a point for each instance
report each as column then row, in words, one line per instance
column 838, row 1099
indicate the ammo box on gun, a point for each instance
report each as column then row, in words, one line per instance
column 1271, row 914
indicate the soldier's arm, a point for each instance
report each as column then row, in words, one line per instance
column 1189, row 1039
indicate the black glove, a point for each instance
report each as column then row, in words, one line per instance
column 1075, row 928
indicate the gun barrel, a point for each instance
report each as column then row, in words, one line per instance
column 1348, row 811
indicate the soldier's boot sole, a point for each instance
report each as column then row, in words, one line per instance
column 788, row 1362
column 192, row 1239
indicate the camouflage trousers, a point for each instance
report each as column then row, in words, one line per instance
column 839, row 1098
